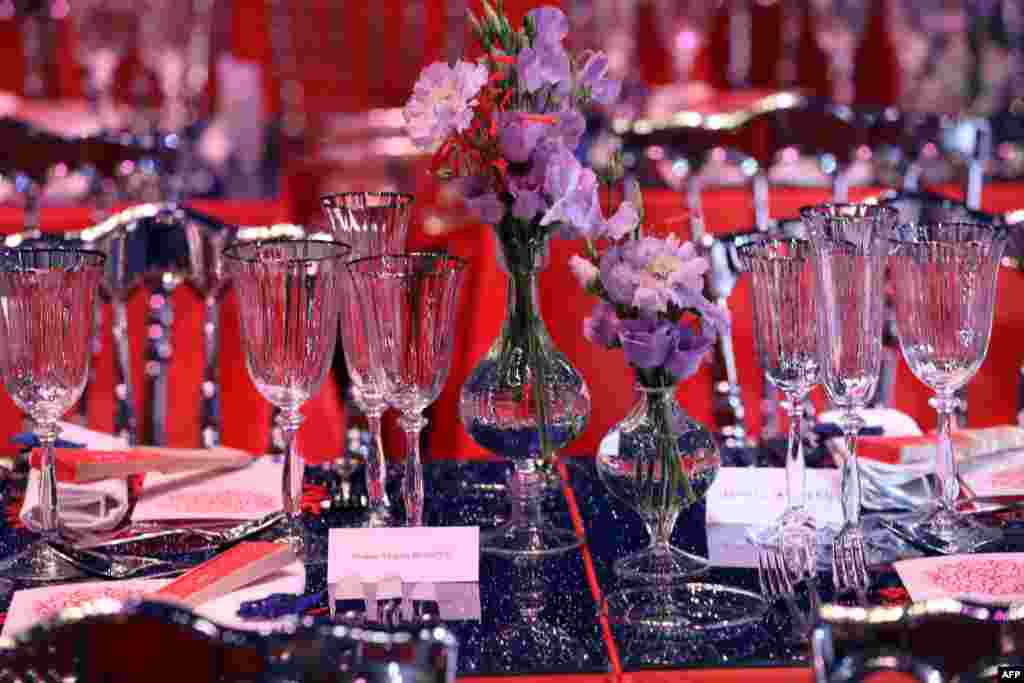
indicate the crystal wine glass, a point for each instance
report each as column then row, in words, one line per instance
column 289, row 293
column 944, row 284
column 409, row 304
column 785, row 316
column 850, row 245
column 374, row 223
column 47, row 298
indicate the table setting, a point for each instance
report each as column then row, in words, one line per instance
column 661, row 550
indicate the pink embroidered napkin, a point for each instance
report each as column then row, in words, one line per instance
column 249, row 492
column 992, row 577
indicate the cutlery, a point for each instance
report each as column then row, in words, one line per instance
column 222, row 538
column 116, row 567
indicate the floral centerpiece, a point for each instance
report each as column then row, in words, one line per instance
column 505, row 128
column 652, row 306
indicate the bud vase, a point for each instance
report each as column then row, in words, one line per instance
column 658, row 461
column 500, row 405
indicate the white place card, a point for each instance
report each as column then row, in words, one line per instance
column 757, row 496
column 410, row 554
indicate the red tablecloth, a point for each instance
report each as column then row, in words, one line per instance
column 992, row 393
column 246, row 414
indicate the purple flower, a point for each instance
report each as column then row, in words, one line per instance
column 569, row 128
column 487, row 208
column 594, row 79
column 603, row 326
column 647, row 342
column 585, row 271
column 543, row 65
column 551, row 24
column 688, row 353
column 578, row 210
column 650, row 274
column 441, row 101
column 622, row 223
column 527, row 205
column 562, row 170
column 519, row 135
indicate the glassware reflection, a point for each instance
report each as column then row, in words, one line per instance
column 530, row 637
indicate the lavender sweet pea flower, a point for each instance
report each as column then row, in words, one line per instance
column 518, row 135
column 569, row 128
column 527, row 205
column 689, row 352
column 602, row 327
column 585, row 271
column 579, row 210
column 594, row 78
column 622, row 223
column 551, row 23
column 442, row 101
column 542, row 65
column 487, row 208
column 562, row 171
column 647, row 342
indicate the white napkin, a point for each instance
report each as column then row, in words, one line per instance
column 97, row 506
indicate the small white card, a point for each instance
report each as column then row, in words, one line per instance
column 249, row 492
column 412, row 554
column 756, row 496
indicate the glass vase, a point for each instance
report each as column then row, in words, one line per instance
column 658, row 461
column 500, row 406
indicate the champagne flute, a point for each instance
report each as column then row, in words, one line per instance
column 785, row 316
column 374, row 223
column 850, row 245
column 944, row 277
column 289, row 293
column 47, row 298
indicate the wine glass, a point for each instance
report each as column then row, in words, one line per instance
column 289, row 294
column 785, row 316
column 850, row 245
column 409, row 304
column 944, row 285
column 374, row 223
column 47, row 298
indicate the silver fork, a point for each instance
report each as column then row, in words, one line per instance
column 780, row 569
column 849, row 562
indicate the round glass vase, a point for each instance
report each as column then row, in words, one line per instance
column 500, row 407
column 658, row 461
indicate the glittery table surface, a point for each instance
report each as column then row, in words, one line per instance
column 543, row 616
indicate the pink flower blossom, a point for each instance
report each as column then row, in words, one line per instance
column 442, row 102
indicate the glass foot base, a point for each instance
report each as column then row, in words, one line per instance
column 39, row 564
column 944, row 532
column 516, row 540
column 660, row 564
column 688, row 610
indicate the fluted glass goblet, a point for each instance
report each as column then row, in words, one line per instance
column 850, row 246
column 374, row 223
column 47, row 299
column 944, row 290
column 289, row 294
column 409, row 304
column 785, row 319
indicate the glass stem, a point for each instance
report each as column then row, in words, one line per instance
column 796, row 468
column 289, row 420
column 412, row 483
column 49, row 520
column 376, row 464
column 851, row 424
column 945, row 463
column 527, row 493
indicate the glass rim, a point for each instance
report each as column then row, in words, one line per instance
column 997, row 231
column 95, row 254
column 459, row 262
column 341, row 254
column 825, row 210
column 749, row 248
column 336, row 200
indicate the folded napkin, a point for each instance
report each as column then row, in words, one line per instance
column 99, row 506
